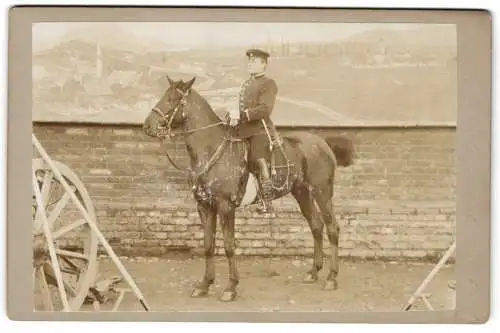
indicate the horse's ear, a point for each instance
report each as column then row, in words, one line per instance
column 170, row 81
column 187, row 85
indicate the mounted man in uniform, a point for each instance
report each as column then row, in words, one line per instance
column 252, row 121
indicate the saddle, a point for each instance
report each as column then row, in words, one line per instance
column 279, row 164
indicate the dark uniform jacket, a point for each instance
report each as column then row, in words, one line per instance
column 258, row 95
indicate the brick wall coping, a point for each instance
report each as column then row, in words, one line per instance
column 283, row 212
column 340, row 124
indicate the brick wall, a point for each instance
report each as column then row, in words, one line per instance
column 396, row 202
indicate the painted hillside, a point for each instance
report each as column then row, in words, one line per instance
column 373, row 77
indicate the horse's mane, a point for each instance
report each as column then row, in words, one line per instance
column 220, row 113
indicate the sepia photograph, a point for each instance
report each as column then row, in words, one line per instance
column 244, row 166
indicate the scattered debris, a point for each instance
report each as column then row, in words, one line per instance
column 104, row 291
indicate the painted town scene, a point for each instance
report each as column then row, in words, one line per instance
column 215, row 166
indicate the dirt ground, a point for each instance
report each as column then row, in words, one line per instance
column 276, row 285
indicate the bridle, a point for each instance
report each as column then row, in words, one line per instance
column 180, row 104
column 169, row 134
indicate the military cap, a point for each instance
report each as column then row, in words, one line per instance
column 257, row 53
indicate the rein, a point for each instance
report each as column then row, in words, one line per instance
column 210, row 163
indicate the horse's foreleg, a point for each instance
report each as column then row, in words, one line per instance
column 309, row 211
column 208, row 218
column 227, row 213
column 333, row 231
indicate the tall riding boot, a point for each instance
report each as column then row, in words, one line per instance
column 265, row 205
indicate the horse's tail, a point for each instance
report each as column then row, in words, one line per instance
column 343, row 148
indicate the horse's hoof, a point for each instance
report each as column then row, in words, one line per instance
column 310, row 278
column 228, row 296
column 198, row 292
column 330, row 285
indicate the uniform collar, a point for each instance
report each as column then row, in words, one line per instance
column 258, row 75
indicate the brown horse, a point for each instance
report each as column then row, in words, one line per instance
column 222, row 179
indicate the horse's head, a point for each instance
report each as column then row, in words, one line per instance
column 168, row 113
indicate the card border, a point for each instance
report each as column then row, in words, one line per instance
column 473, row 157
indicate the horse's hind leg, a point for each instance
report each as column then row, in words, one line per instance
column 324, row 201
column 208, row 216
column 304, row 198
column 227, row 214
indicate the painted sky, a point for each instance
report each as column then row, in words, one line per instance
column 217, row 34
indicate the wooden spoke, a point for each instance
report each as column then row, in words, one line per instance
column 54, row 214
column 64, row 230
column 46, row 185
column 72, row 254
column 119, row 300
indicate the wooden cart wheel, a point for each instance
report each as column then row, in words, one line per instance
column 75, row 243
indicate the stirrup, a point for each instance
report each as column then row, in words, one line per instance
column 264, row 207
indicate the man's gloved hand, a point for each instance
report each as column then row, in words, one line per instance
column 234, row 117
column 233, row 122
